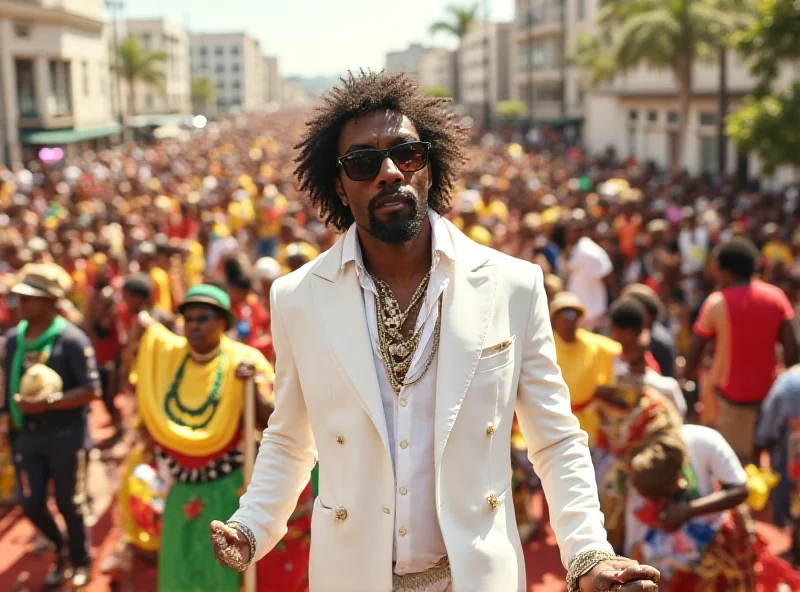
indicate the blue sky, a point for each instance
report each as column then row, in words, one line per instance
column 316, row 37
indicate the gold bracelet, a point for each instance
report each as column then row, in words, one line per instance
column 230, row 553
column 582, row 564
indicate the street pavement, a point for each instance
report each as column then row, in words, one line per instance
column 23, row 565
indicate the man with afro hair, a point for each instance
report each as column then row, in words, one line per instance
column 402, row 354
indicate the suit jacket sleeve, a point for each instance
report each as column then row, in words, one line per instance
column 287, row 453
column 557, row 447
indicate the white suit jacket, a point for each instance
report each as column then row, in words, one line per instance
column 496, row 356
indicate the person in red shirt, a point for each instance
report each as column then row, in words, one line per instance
column 252, row 319
column 746, row 318
column 102, row 328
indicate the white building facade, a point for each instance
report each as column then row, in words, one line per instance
column 272, row 80
column 438, row 69
column 407, row 60
column 54, row 77
column 486, row 45
column 235, row 63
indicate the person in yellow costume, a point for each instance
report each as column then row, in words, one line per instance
column 586, row 359
column 190, row 397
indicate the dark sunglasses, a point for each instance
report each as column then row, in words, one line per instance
column 364, row 165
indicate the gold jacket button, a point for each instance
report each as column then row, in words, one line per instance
column 493, row 501
column 402, row 531
column 339, row 515
column 490, row 429
column 387, row 510
column 340, row 439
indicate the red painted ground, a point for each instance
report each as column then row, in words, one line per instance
column 17, row 541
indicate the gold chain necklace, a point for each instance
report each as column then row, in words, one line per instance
column 397, row 351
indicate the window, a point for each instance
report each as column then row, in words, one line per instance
column 236, row 101
column 220, row 86
column 581, row 96
column 672, row 117
column 235, row 85
column 581, row 9
column 26, row 88
column 235, row 67
column 219, row 50
column 203, row 51
column 708, row 119
column 632, row 142
column 652, row 116
column 220, row 68
column 59, row 99
column 234, row 50
column 102, row 79
column 709, row 154
column 633, row 115
column 85, row 78
column 148, row 101
column 146, row 40
column 22, row 30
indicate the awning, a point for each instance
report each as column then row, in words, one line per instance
column 67, row 136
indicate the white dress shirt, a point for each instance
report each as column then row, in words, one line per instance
column 418, row 542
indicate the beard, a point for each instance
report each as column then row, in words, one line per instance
column 399, row 227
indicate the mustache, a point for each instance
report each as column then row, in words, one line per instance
column 405, row 192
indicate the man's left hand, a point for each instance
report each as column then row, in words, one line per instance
column 674, row 516
column 245, row 370
column 622, row 575
column 29, row 407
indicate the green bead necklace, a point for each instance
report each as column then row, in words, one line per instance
column 211, row 403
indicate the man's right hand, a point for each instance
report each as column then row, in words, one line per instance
column 228, row 542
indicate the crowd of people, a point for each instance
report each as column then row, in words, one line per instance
column 672, row 301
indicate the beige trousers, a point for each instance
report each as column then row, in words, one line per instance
column 737, row 424
column 436, row 579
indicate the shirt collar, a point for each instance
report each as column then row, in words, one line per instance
column 441, row 243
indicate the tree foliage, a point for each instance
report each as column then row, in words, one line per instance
column 768, row 121
column 460, row 20
column 437, row 91
column 204, row 92
column 511, row 110
column 137, row 64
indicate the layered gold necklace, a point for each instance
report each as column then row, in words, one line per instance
column 397, row 351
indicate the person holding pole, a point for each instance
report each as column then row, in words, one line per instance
column 193, row 397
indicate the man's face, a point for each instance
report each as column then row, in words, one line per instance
column 204, row 327
column 32, row 308
column 565, row 323
column 628, row 339
column 392, row 206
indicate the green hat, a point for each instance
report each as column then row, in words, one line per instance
column 211, row 296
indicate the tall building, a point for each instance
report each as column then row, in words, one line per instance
column 54, row 77
column 235, row 63
column 407, row 60
column 292, row 95
column 485, row 66
column 150, row 103
column 272, row 80
column 546, row 31
column 438, row 68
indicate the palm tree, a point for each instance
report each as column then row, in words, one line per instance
column 462, row 19
column 137, row 64
column 664, row 35
column 204, row 91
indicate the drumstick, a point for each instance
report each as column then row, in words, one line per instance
column 249, row 462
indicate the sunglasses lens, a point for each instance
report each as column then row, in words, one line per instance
column 411, row 157
column 362, row 166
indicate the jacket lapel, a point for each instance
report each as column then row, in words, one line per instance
column 466, row 313
column 339, row 299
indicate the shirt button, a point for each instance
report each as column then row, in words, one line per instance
column 340, row 439
column 403, row 402
column 490, row 429
column 403, row 490
column 404, row 444
column 402, row 531
column 387, row 510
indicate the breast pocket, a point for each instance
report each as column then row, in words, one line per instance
column 496, row 357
